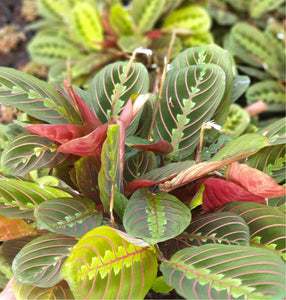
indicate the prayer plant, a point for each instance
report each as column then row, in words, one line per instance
column 79, row 37
column 132, row 185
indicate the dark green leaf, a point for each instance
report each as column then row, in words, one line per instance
column 38, row 263
column 28, row 152
column 239, row 86
column 69, row 216
column 226, row 272
column 35, row 97
column 155, row 217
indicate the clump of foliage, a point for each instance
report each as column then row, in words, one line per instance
column 117, row 190
column 254, row 32
column 77, row 38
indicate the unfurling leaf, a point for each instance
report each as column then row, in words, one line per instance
column 107, row 263
column 255, row 181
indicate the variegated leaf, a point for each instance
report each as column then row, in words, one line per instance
column 155, row 217
column 110, row 177
column 107, row 263
column 225, row 272
column 85, row 177
column 266, row 224
column 60, row 291
column 191, row 96
column 14, row 229
column 28, row 152
column 145, row 13
column 38, row 263
column 69, row 216
column 211, row 54
column 35, row 97
column 18, row 198
column 112, row 87
column 215, row 228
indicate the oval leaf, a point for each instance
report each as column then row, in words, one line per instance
column 59, row 291
column 108, row 264
column 14, row 229
column 155, row 217
column 68, row 216
column 218, row 191
column 191, row 96
column 226, row 272
column 39, row 261
column 266, row 224
column 255, row 181
column 29, row 152
column 216, row 228
column 19, row 198
column 35, row 97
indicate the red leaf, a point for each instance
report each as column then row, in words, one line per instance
column 88, row 145
column 161, row 147
column 87, row 116
column 133, row 186
column 255, row 181
column 219, row 191
column 60, row 133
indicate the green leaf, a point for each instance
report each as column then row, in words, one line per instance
column 145, row 13
column 216, row 228
column 239, row 85
column 244, row 145
column 269, row 91
column 110, row 177
column 18, row 198
column 35, row 97
column 60, row 291
column 191, row 96
column 51, row 9
column 155, row 217
column 225, row 272
column 160, row 286
column 69, row 216
column 121, row 20
column 112, row 87
column 275, row 132
column 48, row 50
column 107, row 263
column 270, row 160
column 28, row 152
column 266, row 225
column 237, row 121
column 192, row 17
column 251, row 46
column 85, row 177
column 85, row 25
column 39, row 261
column 139, row 164
column 259, row 7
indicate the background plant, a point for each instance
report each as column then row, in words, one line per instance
column 77, row 38
column 105, row 187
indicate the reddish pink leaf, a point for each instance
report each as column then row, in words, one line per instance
column 255, row 181
column 161, row 147
column 88, row 145
column 60, row 133
column 131, row 109
column 87, row 116
column 14, row 228
column 219, row 191
column 133, row 186
column 8, row 292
